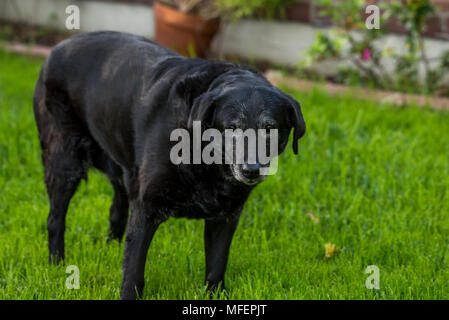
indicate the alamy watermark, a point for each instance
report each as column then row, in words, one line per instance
column 72, row 22
column 373, row 280
column 234, row 146
column 73, row 280
column 373, row 20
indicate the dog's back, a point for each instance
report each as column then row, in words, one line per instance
column 90, row 81
column 97, row 56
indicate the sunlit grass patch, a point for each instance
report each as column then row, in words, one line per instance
column 373, row 180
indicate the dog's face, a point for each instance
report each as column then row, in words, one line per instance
column 251, row 107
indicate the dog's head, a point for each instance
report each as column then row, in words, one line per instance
column 244, row 100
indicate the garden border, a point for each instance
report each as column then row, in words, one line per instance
column 32, row 50
column 384, row 97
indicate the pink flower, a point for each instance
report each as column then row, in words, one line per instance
column 366, row 55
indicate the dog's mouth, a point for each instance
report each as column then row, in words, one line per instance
column 237, row 172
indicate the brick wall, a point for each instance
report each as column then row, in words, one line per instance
column 308, row 11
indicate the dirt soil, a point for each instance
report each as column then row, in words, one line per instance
column 28, row 34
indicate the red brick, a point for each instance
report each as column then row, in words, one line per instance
column 446, row 31
column 433, row 27
column 441, row 5
column 299, row 11
column 437, row 26
column 394, row 25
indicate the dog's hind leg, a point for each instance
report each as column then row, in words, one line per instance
column 118, row 214
column 65, row 158
column 62, row 176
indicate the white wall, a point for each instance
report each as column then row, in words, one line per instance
column 273, row 41
column 286, row 42
column 94, row 15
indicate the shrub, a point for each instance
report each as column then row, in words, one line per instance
column 352, row 41
column 204, row 8
column 237, row 9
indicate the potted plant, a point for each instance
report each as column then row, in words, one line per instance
column 186, row 26
column 235, row 10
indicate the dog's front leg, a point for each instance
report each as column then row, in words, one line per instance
column 217, row 239
column 141, row 228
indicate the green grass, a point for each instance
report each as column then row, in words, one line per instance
column 375, row 176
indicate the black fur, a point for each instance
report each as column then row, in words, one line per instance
column 110, row 100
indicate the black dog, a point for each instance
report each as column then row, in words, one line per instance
column 110, row 100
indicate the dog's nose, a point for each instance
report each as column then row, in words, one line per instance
column 251, row 171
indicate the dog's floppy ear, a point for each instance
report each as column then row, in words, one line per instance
column 193, row 90
column 199, row 79
column 202, row 109
column 296, row 121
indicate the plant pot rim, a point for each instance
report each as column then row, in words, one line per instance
column 183, row 20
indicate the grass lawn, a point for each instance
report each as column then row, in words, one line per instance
column 377, row 178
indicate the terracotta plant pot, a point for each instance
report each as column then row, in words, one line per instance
column 186, row 34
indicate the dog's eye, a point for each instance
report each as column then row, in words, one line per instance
column 232, row 126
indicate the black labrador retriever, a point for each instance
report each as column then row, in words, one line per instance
column 111, row 100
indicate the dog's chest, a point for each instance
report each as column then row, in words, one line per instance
column 209, row 200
